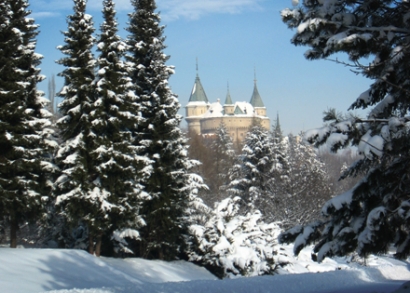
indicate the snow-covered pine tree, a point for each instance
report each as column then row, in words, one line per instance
column 250, row 176
column 114, row 117
column 170, row 184
column 277, row 133
column 280, row 150
column 25, row 161
column 308, row 187
column 75, row 188
column 375, row 213
column 279, row 172
column 230, row 243
column 222, row 157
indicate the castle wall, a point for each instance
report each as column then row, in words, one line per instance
column 237, row 126
column 260, row 111
column 229, row 109
column 205, row 118
column 194, row 125
column 196, row 110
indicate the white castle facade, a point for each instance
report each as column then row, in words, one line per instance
column 205, row 118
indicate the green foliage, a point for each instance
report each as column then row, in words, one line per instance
column 118, row 167
column 24, row 163
column 250, row 177
column 99, row 160
column 373, row 215
column 77, row 196
column 230, row 243
column 169, row 185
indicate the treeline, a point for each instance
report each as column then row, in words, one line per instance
column 373, row 217
column 284, row 177
column 270, row 183
column 115, row 175
column 112, row 174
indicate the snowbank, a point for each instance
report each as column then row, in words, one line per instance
column 62, row 271
column 40, row 270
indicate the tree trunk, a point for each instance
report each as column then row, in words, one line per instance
column 13, row 231
column 98, row 245
column 90, row 244
column 145, row 249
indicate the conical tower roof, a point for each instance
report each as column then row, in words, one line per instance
column 198, row 92
column 228, row 100
column 256, row 100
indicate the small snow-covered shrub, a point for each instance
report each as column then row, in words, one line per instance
column 230, row 244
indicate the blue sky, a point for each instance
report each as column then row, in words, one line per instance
column 230, row 38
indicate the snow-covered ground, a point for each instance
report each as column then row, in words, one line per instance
column 74, row 271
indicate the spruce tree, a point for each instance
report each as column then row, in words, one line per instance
column 75, row 186
column 307, row 185
column 170, row 184
column 250, row 176
column 280, row 164
column 277, row 130
column 118, row 167
column 24, row 163
column 230, row 243
column 222, row 158
column 374, row 214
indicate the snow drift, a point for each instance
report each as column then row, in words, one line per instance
column 75, row 271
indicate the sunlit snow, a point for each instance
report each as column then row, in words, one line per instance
column 75, row 271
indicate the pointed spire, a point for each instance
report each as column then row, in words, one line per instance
column 256, row 100
column 277, row 126
column 198, row 92
column 277, row 131
column 228, row 100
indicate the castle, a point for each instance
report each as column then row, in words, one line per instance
column 205, row 118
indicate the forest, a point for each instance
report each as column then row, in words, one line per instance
column 110, row 170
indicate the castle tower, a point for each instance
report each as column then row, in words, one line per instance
column 229, row 106
column 256, row 101
column 197, row 106
column 205, row 118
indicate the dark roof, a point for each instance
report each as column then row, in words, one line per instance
column 228, row 100
column 238, row 111
column 198, row 92
column 256, row 100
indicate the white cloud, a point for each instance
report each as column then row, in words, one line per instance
column 194, row 9
column 120, row 5
column 45, row 14
column 170, row 9
column 50, row 5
